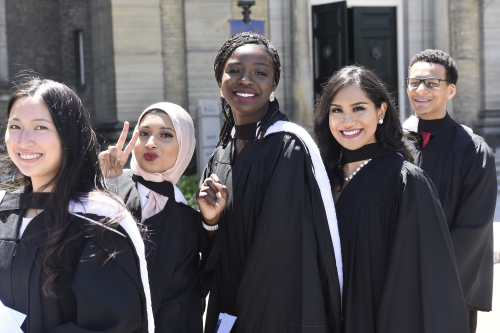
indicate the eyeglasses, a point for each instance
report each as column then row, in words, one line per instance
column 430, row 82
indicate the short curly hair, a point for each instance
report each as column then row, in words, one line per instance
column 438, row 57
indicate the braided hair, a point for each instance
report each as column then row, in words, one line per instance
column 273, row 114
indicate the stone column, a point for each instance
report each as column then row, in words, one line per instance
column 302, row 80
column 103, row 63
column 4, row 65
column 465, row 49
column 174, row 52
column 489, row 117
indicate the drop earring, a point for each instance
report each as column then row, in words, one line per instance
column 221, row 94
column 272, row 98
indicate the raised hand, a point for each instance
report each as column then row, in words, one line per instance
column 211, row 199
column 113, row 159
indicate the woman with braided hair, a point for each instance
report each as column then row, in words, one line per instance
column 273, row 260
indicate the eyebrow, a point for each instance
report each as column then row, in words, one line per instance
column 255, row 63
column 163, row 127
column 37, row 119
column 358, row 103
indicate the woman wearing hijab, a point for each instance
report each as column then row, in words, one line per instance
column 162, row 146
column 72, row 258
column 400, row 273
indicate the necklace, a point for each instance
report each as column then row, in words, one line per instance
column 357, row 170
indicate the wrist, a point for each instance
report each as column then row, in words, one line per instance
column 211, row 222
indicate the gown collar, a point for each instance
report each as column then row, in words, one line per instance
column 369, row 151
column 245, row 132
column 164, row 188
column 436, row 124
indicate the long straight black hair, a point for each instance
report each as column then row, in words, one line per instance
column 78, row 174
column 389, row 134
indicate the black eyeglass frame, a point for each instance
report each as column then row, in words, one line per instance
column 424, row 80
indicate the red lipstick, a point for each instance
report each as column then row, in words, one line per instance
column 150, row 157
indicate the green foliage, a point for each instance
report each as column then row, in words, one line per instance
column 189, row 186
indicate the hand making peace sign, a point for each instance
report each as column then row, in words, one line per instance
column 113, row 160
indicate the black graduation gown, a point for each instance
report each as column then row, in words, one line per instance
column 399, row 270
column 272, row 263
column 94, row 294
column 172, row 254
column 462, row 168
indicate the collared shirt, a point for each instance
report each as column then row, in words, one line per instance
column 143, row 194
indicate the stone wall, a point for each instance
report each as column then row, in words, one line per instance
column 280, row 35
column 491, row 54
column 137, row 42
column 174, row 52
column 34, row 37
column 75, row 16
column 207, row 27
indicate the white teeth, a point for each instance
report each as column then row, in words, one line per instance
column 423, row 100
column 351, row 132
column 30, row 156
column 242, row 94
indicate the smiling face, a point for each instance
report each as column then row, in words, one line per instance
column 32, row 141
column 157, row 148
column 430, row 103
column 353, row 118
column 247, row 83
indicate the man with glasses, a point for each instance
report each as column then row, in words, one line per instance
column 462, row 168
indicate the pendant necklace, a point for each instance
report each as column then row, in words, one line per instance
column 357, row 170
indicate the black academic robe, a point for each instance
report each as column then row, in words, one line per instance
column 462, row 168
column 272, row 262
column 399, row 269
column 172, row 254
column 95, row 293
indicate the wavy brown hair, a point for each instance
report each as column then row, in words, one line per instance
column 79, row 172
column 389, row 134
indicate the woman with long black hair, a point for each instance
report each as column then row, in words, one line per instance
column 274, row 261
column 400, row 273
column 73, row 259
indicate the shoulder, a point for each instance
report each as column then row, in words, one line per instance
column 292, row 138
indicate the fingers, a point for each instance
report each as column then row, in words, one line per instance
column 123, row 135
column 215, row 189
column 215, row 178
column 105, row 160
column 114, row 152
column 132, row 142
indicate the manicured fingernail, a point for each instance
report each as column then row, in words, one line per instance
column 217, row 204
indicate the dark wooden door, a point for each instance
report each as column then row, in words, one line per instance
column 375, row 42
column 329, row 42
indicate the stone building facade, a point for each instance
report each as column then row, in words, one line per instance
column 135, row 53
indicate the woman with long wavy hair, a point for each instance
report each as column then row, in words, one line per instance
column 72, row 257
column 399, row 269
